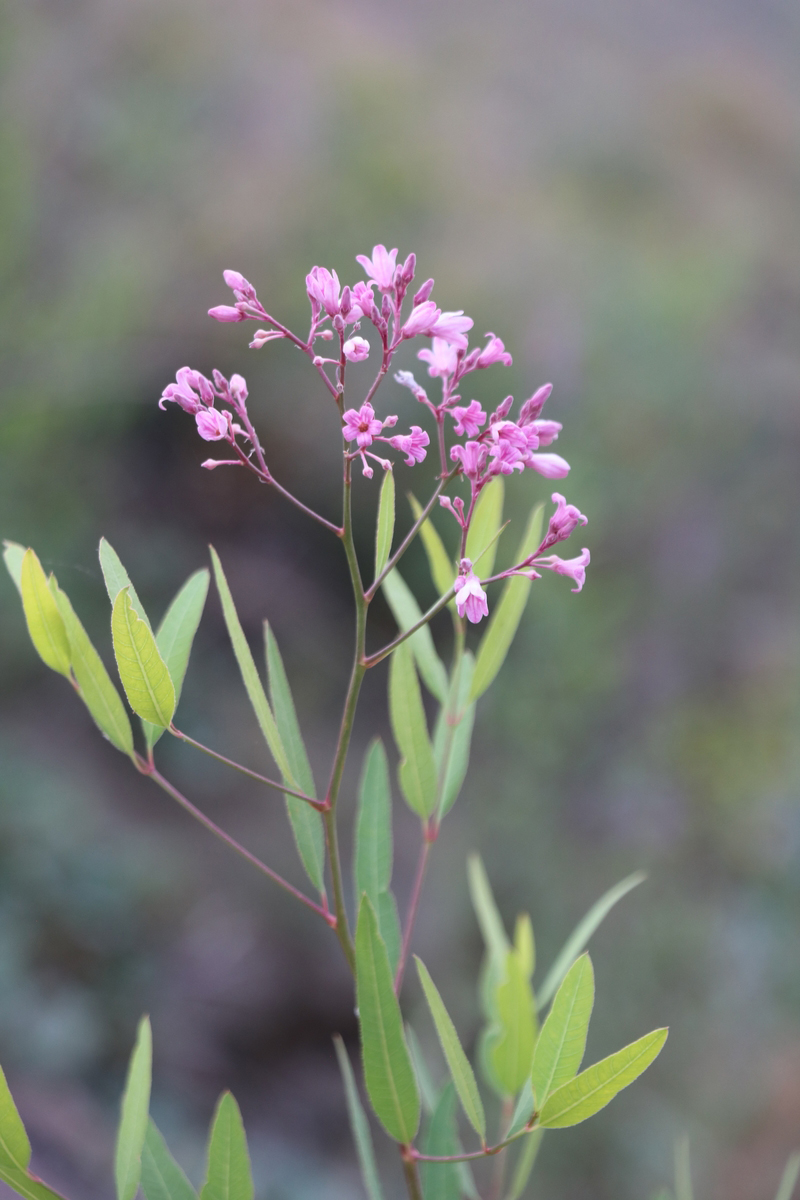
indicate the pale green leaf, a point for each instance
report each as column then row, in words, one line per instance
column 45, row 623
column 523, row 1111
column 306, row 822
column 460, row 1069
column 504, row 621
column 683, row 1170
column 522, row 1171
column 407, row 612
column 389, row 925
column 592, row 1090
column 388, row 1073
column 162, row 1178
column 384, row 531
column 453, row 735
column 486, row 521
column 116, row 578
column 442, row 567
column 142, row 670
column 134, row 1115
column 562, row 1041
column 358, row 1119
column 576, row 942
column 491, row 925
column 524, row 944
column 176, row 634
column 228, row 1176
column 441, row 1181
column 789, row 1178
column 417, row 770
column 511, row 1049
column 372, row 858
column 13, row 555
column 428, row 1091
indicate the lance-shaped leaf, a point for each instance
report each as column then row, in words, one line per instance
column 576, row 942
column 142, row 670
column 13, row 555
column 359, row 1124
column 489, row 919
column 133, row 1121
column 116, row 578
column 309, row 833
column 388, row 1072
column 442, row 567
column 789, row 1178
column 460, row 1069
column 562, row 1041
column 524, row 944
column 429, row 1093
column 486, row 521
column 592, row 1090
column 417, row 770
column 407, row 612
column 522, row 1171
column 453, row 736
column 505, row 619
column 523, row 1111
column 96, row 689
column 441, row 1181
column 228, row 1176
column 384, row 530
column 45, row 623
column 162, row 1178
column 176, row 634
column 372, row 860
column 250, row 677
column 15, row 1151
column 510, row 1047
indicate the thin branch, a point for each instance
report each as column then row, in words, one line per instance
column 488, row 1152
column 273, row 783
column 408, row 539
column 372, row 660
column 315, row 516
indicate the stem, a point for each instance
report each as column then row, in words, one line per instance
column 413, row 906
column 499, row 1172
column 408, row 539
column 273, row 783
column 265, row 475
column 411, row 1172
column 372, row 660
column 315, row 516
column 487, row 1152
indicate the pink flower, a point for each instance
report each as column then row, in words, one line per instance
column 362, row 300
column 510, row 449
column 546, row 431
column 412, row 444
column 356, row 349
column 472, row 456
column 191, row 389
column 552, row 466
column 238, row 390
column 361, row 425
column 452, row 326
column 422, row 320
column 423, row 293
column 381, row 267
column 532, row 407
column 470, row 596
column 211, row 424
column 456, row 507
column 224, row 312
column 563, row 522
column 502, row 410
column 241, row 287
column 574, row 568
column 322, row 286
column 493, row 352
column 468, row 420
column 441, row 358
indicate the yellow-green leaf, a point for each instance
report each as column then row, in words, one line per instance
column 407, row 612
column 562, row 1041
column 176, row 634
column 228, row 1176
column 116, row 578
column 460, row 1069
column 142, row 670
column 524, row 943
column 13, row 555
column 134, row 1114
column 442, row 566
column 592, row 1090
column 510, row 1048
column 45, row 623
column 453, row 736
column 417, row 770
column 486, row 521
column 384, row 531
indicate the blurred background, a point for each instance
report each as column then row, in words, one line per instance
column 615, row 191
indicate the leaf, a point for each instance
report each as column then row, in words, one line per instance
column 592, row 1090
column 228, row 1176
column 407, row 612
column 45, row 624
column 442, row 567
column 142, row 670
column 494, row 934
column 309, row 832
column 388, row 1072
column 250, row 676
column 522, row 1171
column 683, row 1170
column 486, row 521
column 133, row 1122
column 504, row 621
column 162, row 1178
column 176, row 634
column 789, row 1178
column 441, row 1181
column 561, row 1044
column 577, row 940
column 372, row 860
column 453, row 736
column 13, row 555
column 429, row 1093
column 524, row 944
column 510, row 1051
column 359, row 1125
column 116, row 578
column 460, row 1069
column 94, row 683
column 15, row 1151
column 524, row 1110
column 389, row 925
column 384, row 530
column 417, row 770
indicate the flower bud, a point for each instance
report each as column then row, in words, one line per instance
column 424, row 292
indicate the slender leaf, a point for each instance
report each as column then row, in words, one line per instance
column 428, row 1091
column 407, row 612
column 460, row 1069
column 505, row 619
column 142, row 670
column 359, row 1125
column 417, row 770
column 453, row 736
column 372, row 860
column 441, row 1181
column 442, row 567
column 250, row 676
column 683, row 1170
column 384, row 531
column 162, row 1178
column 561, row 1044
column 13, row 555
column 116, row 578
column 592, row 1090
column 524, row 1110
column 309, row 832
column 789, row 1178
column 388, row 1072
column 486, row 520
column 511, row 1050
column 134, row 1115
column 389, row 925
column 522, row 1171
column 576, row 942
column 176, row 634
column 228, row 1176
column 96, row 689
column 525, row 944
column 494, row 934
column 45, row 624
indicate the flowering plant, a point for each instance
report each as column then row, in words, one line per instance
column 531, row 1048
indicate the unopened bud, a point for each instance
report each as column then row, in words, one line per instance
column 423, row 293
column 346, row 303
column 338, row 323
column 408, row 268
column 386, row 307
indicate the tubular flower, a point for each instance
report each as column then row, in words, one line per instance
column 470, row 597
column 546, row 431
column 361, row 425
column 573, row 568
column 225, row 312
column 442, row 358
column 380, row 269
column 411, row 444
column 468, row 420
column 211, row 424
column 422, row 320
column 472, row 456
column 453, row 326
column 322, row 286
column 533, row 406
column 356, row 349
column 563, row 522
column 241, row 287
column 493, row 352
column 552, row 466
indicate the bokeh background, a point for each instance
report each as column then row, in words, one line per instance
column 615, row 191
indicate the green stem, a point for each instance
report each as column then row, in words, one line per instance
column 229, row 762
column 411, row 1172
column 408, row 539
column 373, row 659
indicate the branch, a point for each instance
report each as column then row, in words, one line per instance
column 273, row 783
column 408, row 539
column 372, row 660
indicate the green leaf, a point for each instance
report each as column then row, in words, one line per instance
column 250, row 676
column 372, row 859
column 309, row 832
column 441, row 1181
column 417, row 770
column 561, row 1044
column 384, row 531
column 15, row 1152
column 388, row 1072
column 522, row 1171
column 491, row 925
column 505, row 619
column 142, row 670
column 13, row 555
column 486, row 521
column 576, row 942
column 94, row 683
column 133, row 1121
column 428, row 1091
column 683, row 1170
column 176, row 634
column 460, row 1069
column 453, row 736
column 510, row 1051
column 442, row 567
column 358, row 1118
column 162, row 1178
column 590, row 1091
column 389, row 925
column 117, row 578
column 789, row 1178
column 45, row 624
column 524, row 1110
column 228, row 1176
column 524, row 944
column 407, row 612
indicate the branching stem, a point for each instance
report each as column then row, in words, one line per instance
column 273, row 783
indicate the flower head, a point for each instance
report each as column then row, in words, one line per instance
column 241, row 287
column 411, row 444
column 453, row 326
column 442, row 358
column 212, row 425
column 493, row 352
column 361, row 425
column 573, row 568
column 472, row 456
column 470, row 597
column 563, row 522
column 546, row 431
column 381, row 267
column 532, row 407
column 190, row 391
column 468, row 420
column 322, row 286
column 552, row 466
column 356, row 349
column 422, row 320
